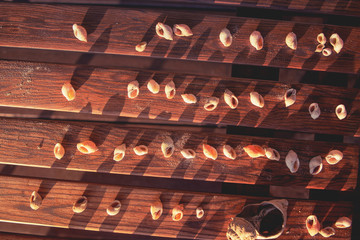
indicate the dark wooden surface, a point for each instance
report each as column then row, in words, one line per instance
column 118, row 30
column 8, row 236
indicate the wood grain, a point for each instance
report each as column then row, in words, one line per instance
column 118, row 30
column 31, row 143
column 104, row 91
column 9, row 236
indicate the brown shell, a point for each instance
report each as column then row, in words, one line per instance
column 87, row 147
column 59, row 151
column 35, row 200
column 80, row 205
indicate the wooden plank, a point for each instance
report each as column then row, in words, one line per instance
column 104, row 91
column 31, row 143
column 8, row 236
column 135, row 218
column 117, row 31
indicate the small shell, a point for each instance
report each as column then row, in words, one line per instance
column 313, row 225
column 257, row 100
column 177, row 212
column 327, row 232
column 326, row 52
column 343, row 222
column 59, row 151
column 170, row 90
column 334, row 156
column 292, row 161
column 315, row 165
column 256, row 40
column 35, row 200
column 153, row 86
column 211, row 103
column 141, row 150
column 272, row 154
column 119, row 152
column 321, row 38
column 114, row 208
column 189, row 98
column 141, row 47
column 314, row 110
column 254, row 151
column 199, row 212
column 167, row 147
column 164, row 31
column 156, row 209
column 290, row 97
column 182, row 30
column 340, row 111
column 133, row 89
column 87, row 147
column 188, row 153
column 229, row 152
column 68, row 91
column 80, row 205
column 230, row 99
column 336, row 42
column 291, row 40
column 225, row 37
column 80, row 32
column 319, row 47
column 209, row 151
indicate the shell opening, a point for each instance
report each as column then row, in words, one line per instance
column 134, row 93
column 81, row 201
column 209, row 107
column 119, row 156
column 161, row 31
column 178, row 31
column 178, row 216
column 172, row 93
column 83, row 149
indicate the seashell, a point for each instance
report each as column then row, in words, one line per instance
column 272, row 154
column 315, row 165
column 141, row 47
column 314, row 110
column 119, row 152
column 254, row 151
column 209, row 151
column 177, row 212
column 80, row 32
column 141, row 150
column 327, row 232
column 167, row 147
column 225, row 37
column 164, row 31
column 313, row 225
column 80, row 205
column 241, row 229
column 334, row 156
column 256, row 40
column 87, row 147
column 340, row 111
column 321, row 38
column 114, row 208
column 59, row 151
column 182, row 30
column 319, row 47
column 231, row 99
column 199, row 212
column 170, row 90
column 326, row 52
column 257, row 100
column 189, row 98
column 68, row 91
column 156, row 209
column 133, row 89
column 290, row 97
column 211, row 103
column 292, row 161
column 229, row 152
column 343, row 222
column 336, row 42
column 35, row 200
column 188, row 153
column 291, row 40
column 153, row 86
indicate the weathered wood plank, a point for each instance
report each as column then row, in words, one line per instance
column 104, row 91
column 118, row 30
column 9, row 236
column 31, row 143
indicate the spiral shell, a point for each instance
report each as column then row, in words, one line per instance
column 164, row 31
column 334, row 156
column 257, row 100
column 230, row 99
column 114, row 208
column 326, row 52
column 340, row 111
column 211, row 103
column 272, row 154
column 133, row 89
column 177, row 212
column 336, row 42
column 68, row 91
column 314, row 110
column 254, row 151
column 312, row 225
column 188, row 153
column 256, row 40
column 170, row 90
column 327, row 232
column 87, row 147
column 167, row 147
column 210, row 152
column 182, row 30
column 119, row 152
column 290, row 97
column 189, row 98
column 229, row 152
column 225, row 37
column 79, row 32
column 291, row 40
column 59, row 151
column 292, row 161
column 319, row 47
column 141, row 47
column 80, row 205
column 321, row 38
column 35, row 200
column 153, row 86
column 343, row 222
column 141, row 150
column 199, row 212
column 315, row 165
column 156, row 209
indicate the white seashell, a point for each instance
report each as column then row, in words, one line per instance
column 229, row 152
column 256, row 40
column 211, row 103
column 164, row 31
column 313, row 225
column 343, row 222
column 291, row 40
column 59, row 151
column 189, row 98
column 254, row 151
column 292, row 161
column 182, row 30
column 209, row 151
column 167, row 147
column 177, row 212
column 188, row 153
column 141, row 150
column 80, row 32
column 170, row 90
column 314, row 110
column 321, row 38
column 336, row 42
column 257, row 100
column 327, row 232
column 114, row 208
column 230, row 99
column 35, row 200
column 156, row 209
column 87, row 147
column 119, row 152
column 334, row 156
column 80, row 205
column 141, row 47
column 272, row 154
column 340, row 111
column 133, row 89
column 225, row 37
column 315, row 165
column 153, row 86
column 326, row 52
column 319, row 47
column 290, row 97
column 68, row 91
column 199, row 212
